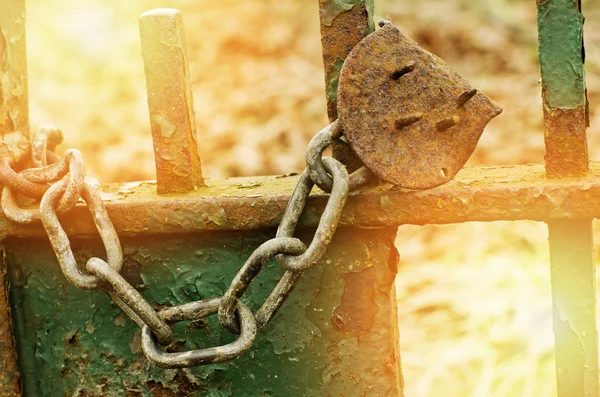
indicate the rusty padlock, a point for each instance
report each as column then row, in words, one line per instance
column 408, row 115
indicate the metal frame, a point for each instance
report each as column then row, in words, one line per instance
column 565, row 194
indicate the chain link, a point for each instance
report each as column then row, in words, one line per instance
column 61, row 182
column 314, row 160
column 245, row 276
column 195, row 311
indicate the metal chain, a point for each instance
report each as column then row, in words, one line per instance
column 61, row 182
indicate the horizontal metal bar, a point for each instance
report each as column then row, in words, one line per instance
column 476, row 194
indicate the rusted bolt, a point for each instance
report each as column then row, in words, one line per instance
column 447, row 123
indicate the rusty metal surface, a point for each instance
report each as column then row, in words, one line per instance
column 476, row 194
column 572, row 268
column 14, row 106
column 409, row 116
column 566, row 142
column 561, row 56
column 170, row 101
column 10, row 384
column 343, row 25
column 198, row 311
column 327, row 340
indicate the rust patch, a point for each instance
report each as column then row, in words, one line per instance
column 170, row 102
column 338, row 37
column 10, row 384
column 358, row 310
column 184, row 387
column 14, row 106
column 408, row 115
column 566, row 143
column 476, row 194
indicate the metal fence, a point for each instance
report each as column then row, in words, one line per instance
column 564, row 194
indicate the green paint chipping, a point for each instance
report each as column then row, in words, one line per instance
column 332, row 80
column 336, row 7
column 370, row 6
column 560, row 35
column 77, row 343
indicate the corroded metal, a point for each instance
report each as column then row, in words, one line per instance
column 561, row 55
column 566, row 142
column 14, row 106
column 314, row 161
column 327, row 224
column 327, row 340
column 343, row 25
column 252, row 267
column 129, row 297
column 409, row 116
column 572, row 269
column 10, row 385
column 170, row 101
column 44, row 143
column 9, row 177
column 14, row 146
column 476, row 194
column 196, row 311
column 60, row 240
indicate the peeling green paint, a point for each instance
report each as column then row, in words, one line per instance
column 333, row 8
column 329, row 12
column 560, row 35
column 73, row 342
column 332, row 80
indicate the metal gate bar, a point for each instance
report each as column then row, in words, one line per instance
column 562, row 55
column 479, row 194
column 14, row 128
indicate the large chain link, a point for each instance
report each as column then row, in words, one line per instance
column 61, row 182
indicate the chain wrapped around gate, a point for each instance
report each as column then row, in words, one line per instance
column 61, row 182
column 418, row 145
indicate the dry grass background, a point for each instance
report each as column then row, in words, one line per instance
column 474, row 299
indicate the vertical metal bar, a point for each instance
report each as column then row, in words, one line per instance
column 343, row 25
column 14, row 145
column 10, row 383
column 561, row 55
column 14, row 100
column 170, row 101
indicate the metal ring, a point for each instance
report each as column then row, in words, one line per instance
column 212, row 355
column 287, row 227
column 327, row 223
column 60, row 241
column 71, row 166
column 131, row 298
column 245, row 276
column 10, row 178
column 44, row 141
column 314, row 162
column 13, row 211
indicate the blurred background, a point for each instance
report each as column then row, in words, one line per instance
column 474, row 300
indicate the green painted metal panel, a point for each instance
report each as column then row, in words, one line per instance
column 560, row 32
column 336, row 335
